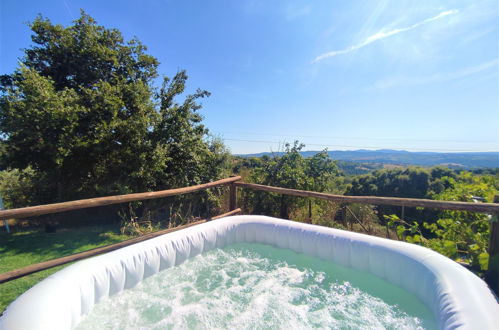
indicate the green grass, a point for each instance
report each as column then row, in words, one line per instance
column 25, row 248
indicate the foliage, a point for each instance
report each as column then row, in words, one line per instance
column 321, row 172
column 82, row 113
column 462, row 236
column 17, row 187
column 79, row 108
column 405, row 182
column 410, row 182
column 291, row 170
column 351, row 168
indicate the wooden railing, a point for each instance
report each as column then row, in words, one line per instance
column 101, row 201
column 375, row 200
column 12, row 275
column 109, row 200
column 233, row 183
column 492, row 275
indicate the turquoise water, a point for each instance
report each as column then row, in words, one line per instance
column 254, row 286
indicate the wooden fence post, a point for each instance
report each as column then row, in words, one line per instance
column 344, row 218
column 492, row 276
column 232, row 197
column 208, row 209
column 6, row 221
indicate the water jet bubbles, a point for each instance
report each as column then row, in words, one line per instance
column 247, row 286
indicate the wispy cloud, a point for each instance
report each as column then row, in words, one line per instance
column 382, row 35
column 477, row 35
column 435, row 78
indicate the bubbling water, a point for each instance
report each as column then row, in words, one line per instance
column 254, row 286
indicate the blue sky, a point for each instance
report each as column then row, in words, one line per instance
column 414, row 75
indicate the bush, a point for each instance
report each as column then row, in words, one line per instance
column 17, row 187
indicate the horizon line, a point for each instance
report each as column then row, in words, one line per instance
column 353, row 150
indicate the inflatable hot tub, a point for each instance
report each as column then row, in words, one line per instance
column 457, row 298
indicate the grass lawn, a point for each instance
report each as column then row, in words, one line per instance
column 25, row 248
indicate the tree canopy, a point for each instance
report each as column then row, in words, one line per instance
column 82, row 111
column 460, row 235
column 409, row 182
column 291, row 170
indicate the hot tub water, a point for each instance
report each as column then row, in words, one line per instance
column 249, row 285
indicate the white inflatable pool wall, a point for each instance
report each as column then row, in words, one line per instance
column 458, row 298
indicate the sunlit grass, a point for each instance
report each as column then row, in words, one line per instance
column 25, row 248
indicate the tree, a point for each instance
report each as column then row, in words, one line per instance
column 82, row 112
column 321, row 172
column 402, row 182
column 460, row 235
column 410, row 182
column 291, row 170
column 322, row 175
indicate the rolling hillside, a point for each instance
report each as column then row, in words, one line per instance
column 401, row 157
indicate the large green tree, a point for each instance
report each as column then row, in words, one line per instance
column 82, row 112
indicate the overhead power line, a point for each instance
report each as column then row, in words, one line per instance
column 354, row 137
column 352, row 146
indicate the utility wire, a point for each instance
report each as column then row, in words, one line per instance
column 351, row 146
column 352, row 138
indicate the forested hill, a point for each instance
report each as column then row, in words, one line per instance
column 462, row 159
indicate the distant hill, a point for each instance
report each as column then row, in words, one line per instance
column 402, row 157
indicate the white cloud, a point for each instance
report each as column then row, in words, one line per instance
column 435, row 78
column 382, row 35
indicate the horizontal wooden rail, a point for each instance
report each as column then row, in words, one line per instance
column 375, row 200
column 226, row 214
column 14, row 274
column 108, row 200
column 232, row 181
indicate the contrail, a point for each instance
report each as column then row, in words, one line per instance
column 382, row 35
